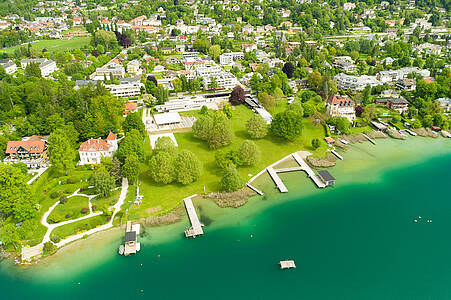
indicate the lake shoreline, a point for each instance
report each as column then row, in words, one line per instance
column 262, row 181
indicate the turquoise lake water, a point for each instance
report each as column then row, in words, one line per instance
column 357, row 240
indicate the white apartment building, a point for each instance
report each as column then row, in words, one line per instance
column 225, row 80
column 133, row 66
column 107, row 71
column 395, row 75
column 226, row 59
column 186, row 55
column 208, row 71
column 92, row 151
column 9, row 66
column 125, row 90
column 48, row 67
column 355, row 83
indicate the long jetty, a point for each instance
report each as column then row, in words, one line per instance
column 279, row 183
column 369, row 139
column 309, row 171
column 196, row 226
column 336, row 154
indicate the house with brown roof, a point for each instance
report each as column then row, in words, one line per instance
column 31, row 151
column 340, row 106
column 92, row 150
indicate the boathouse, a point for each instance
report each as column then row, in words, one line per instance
column 325, row 177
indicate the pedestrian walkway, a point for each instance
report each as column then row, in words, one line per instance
column 31, row 252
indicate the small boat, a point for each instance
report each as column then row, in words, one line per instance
column 121, row 249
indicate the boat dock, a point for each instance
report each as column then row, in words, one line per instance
column 287, row 264
column 369, row 139
column 131, row 245
column 254, row 189
column 305, row 167
column 336, row 154
column 410, row 132
column 279, row 183
column 196, row 226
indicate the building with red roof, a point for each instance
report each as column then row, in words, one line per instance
column 130, row 107
column 340, row 106
column 31, row 151
column 92, row 150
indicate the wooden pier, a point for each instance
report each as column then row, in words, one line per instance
column 410, row 132
column 369, row 139
column 279, row 183
column 196, row 226
column 305, row 167
column 336, row 154
column 287, row 264
column 254, row 189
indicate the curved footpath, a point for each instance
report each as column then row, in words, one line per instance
column 30, row 252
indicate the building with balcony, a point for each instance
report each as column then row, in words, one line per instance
column 31, row 151
column 339, row 106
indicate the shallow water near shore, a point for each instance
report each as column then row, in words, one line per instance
column 357, row 240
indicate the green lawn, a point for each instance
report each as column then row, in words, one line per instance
column 160, row 199
column 78, row 227
column 55, row 45
column 45, row 186
column 109, row 200
column 70, row 210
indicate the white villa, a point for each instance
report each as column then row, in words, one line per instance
column 93, row 150
column 338, row 106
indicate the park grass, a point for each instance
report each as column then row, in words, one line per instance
column 109, row 200
column 71, row 208
column 159, row 199
column 48, row 183
column 78, row 227
column 54, row 45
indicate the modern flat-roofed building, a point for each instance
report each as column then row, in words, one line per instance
column 112, row 69
column 225, row 80
column 133, row 66
column 124, row 90
column 355, row 83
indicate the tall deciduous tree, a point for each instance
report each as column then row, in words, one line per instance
column 134, row 121
column 130, row 169
column 231, row 180
column 215, row 129
column 103, row 183
column 237, row 96
column 161, row 167
column 61, row 151
column 287, row 125
column 257, row 127
column 288, row 69
column 131, row 144
column 249, row 153
column 188, row 167
column 16, row 197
